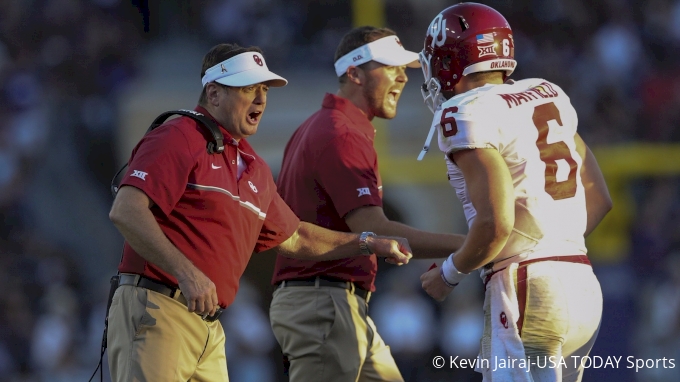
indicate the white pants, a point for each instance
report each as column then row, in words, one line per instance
column 561, row 318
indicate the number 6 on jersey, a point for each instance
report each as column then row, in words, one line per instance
column 552, row 152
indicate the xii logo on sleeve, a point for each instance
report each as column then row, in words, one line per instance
column 364, row 191
column 139, row 174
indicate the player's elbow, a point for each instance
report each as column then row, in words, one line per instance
column 608, row 204
column 498, row 229
column 502, row 231
column 605, row 203
column 606, row 207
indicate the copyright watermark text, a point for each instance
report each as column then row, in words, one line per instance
column 575, row 362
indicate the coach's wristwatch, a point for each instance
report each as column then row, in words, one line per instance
column 363, row 246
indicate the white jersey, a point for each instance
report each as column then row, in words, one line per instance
column 532, row 124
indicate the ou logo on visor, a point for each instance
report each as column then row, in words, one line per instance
column 257, row 59
column 437, row 30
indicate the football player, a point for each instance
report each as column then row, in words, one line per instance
column 531, row 191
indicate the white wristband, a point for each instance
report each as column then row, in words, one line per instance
column 449, row 272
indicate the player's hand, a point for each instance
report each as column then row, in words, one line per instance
column 395, row 250
column 200, row 292
column 434, row 285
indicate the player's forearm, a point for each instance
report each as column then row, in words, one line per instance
column 598, row 201
column 483, row 243
column 141, row 231
column 489, row 187
column 425, row 245
column 311, row 242
column 597, row 206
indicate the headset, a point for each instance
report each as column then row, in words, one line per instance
column 215, row 146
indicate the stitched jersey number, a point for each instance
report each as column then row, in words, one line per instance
column 448, row 122
column 551, row 152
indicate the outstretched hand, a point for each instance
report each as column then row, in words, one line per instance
column 434, row 285
column 395, row 250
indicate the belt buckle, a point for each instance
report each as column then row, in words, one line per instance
column 135, row 278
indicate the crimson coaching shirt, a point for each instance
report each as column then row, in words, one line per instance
column 215, row 220
column 329, row 169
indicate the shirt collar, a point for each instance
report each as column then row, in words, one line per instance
column 355, row 115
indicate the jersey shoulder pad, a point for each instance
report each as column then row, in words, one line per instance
column 464, row 124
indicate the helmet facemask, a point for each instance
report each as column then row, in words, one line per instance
column 431, row 88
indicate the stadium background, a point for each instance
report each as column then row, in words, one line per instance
column 80, row 81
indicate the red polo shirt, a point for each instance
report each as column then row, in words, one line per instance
column 215, row 220
column 329, row 169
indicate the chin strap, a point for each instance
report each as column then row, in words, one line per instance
column 426, row 147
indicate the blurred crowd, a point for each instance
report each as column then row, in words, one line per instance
column 64, row 63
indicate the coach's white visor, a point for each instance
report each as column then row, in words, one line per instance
column 387, row 50
column 244, row 69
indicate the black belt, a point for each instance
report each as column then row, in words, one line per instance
column 361, row 292
column 174, row 293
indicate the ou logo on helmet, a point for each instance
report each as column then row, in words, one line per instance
column 257, row 59
column 437, row 30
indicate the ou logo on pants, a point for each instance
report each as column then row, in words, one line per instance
column 504, row 320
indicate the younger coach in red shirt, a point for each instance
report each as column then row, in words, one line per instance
column 330, row 177
column 191, row 221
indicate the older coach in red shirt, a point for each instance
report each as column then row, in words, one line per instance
column 191, row 221
column 330, row 177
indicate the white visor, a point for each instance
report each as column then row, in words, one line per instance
column 244, row 69
column 387, row 50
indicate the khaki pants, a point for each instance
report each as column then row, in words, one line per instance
column 327, row 336
column 152, row 337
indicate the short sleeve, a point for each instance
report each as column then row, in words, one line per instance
column 347, row 172
column 279, row 225
column 160, row 165
column 465, row 127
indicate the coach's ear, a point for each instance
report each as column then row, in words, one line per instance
column 212, row 93
column 355, row 75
